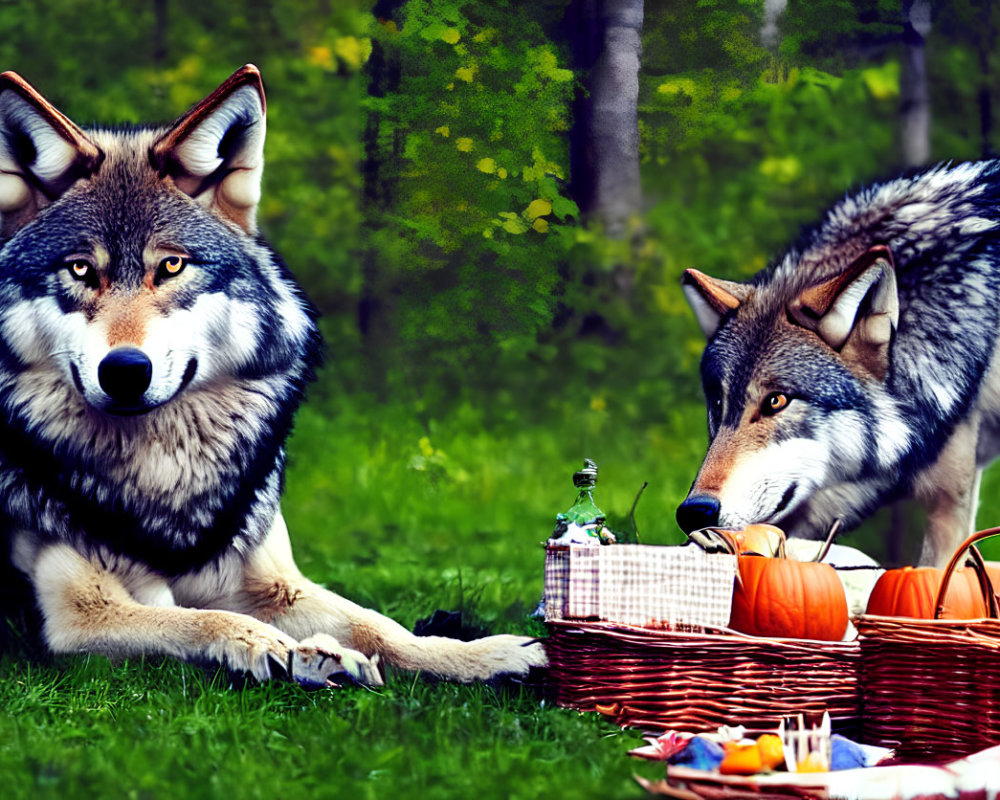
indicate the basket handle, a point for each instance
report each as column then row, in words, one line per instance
column 989, row 594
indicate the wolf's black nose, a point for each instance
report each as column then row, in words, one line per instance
column 125, row 374
column 698, row 511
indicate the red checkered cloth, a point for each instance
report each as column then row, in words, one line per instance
column 643, row 585
column 556, row 582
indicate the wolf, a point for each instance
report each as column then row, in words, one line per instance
column 860, row 367
column 153, row 350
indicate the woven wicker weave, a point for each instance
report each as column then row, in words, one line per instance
column 698, row 681
column 712, row 786
column 931, row 688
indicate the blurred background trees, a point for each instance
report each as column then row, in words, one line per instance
column 427, row 183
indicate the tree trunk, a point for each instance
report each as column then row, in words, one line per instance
column 770, row 34
column 606, row 38
column 378, row 165
column 915, row 108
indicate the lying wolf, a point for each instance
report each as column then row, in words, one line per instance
column 860, row 368
column 153, row 350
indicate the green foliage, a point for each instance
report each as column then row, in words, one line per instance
column 472, row 142
column 841, row 34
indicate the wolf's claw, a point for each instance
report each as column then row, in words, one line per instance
column 321, row 661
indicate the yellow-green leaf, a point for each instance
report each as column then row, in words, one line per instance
column 514, row 226
column 882, row 82
column 464, row 144
column 487, row 165
column 540, row 225
column 501, row 173
column 538, row 208
column 465, row 74
column 354, row 52
column 444, row 130
column 450, row 35
column 782, row 170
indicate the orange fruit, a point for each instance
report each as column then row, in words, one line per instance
column 741, row 759
column 772, row 754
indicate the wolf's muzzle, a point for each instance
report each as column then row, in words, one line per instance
column 124, row 375
column 698, row 511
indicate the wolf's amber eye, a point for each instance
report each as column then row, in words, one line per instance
column 773, row 403
column 169, row 267
column 82, row 270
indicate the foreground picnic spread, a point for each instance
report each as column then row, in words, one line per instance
column 976, row 776
column 760, row 667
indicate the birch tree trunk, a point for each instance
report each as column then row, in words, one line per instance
column 770, row 33
column 915, row 97
column 606, row 36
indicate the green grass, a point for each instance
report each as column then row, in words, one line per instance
column 406, row 513
column 159, row 729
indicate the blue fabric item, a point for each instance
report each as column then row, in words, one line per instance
column 846, row 754
column 699, row 754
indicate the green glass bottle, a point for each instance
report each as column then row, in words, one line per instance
column 584, row 521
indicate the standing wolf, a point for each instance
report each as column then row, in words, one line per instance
column 152, row 352
column 861, row 367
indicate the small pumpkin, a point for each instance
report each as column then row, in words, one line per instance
column 912, row 592
column 778, row 597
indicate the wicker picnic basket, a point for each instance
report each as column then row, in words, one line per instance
column 661, row 680
column 931, row 687
column 682, row 676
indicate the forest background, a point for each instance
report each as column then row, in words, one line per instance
column 487, row 328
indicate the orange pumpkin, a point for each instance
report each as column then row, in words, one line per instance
column 781, row 598
column 912, row 592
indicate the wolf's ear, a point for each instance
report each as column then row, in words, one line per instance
column 855, row 312
column 215, row 152
column 711, row 298
column 42, row 153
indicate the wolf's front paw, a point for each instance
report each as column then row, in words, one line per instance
column 321, row 660
column 505, row 655
column 245, row 645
